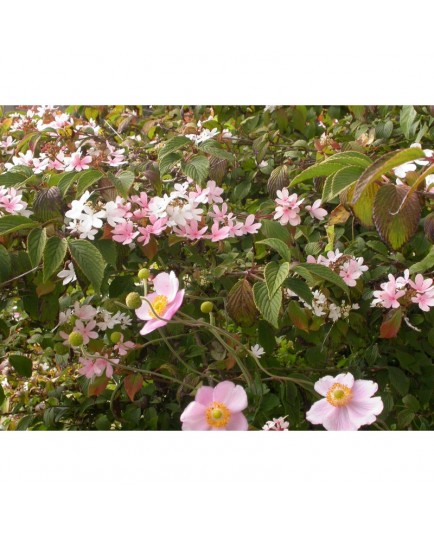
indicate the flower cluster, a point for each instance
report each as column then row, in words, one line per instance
column 276, row 425
column 322, row 306
column 11, row 201
column 349, row 268
column 403, row 291
column 402, row 170
column 288, row 208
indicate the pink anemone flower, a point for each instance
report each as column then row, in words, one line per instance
column 165, row 301
column 347, row 404
column 216, row 408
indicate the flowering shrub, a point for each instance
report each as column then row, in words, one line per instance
column 216, row 268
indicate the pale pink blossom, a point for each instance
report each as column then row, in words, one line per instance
column 217, row 233
column 219, row 214
column 347, row 404
column 96, row 366
column 191, row 230
column 351, row 271
column 86, row 330
column 276, row 425
column 217, row 408
column 213, row 192
column 424, row 300
column 249, row 227
column 124, row 347
column 287, row 215
column 315, row 211
column 77, row 162
column 421, row 285
column 84, row 312
column 404, row 280
column 124, row 233
column 389, row 295
column 162, row 303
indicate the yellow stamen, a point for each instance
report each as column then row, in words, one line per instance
column 159, row 304
column 339, row 395
column 217, row 415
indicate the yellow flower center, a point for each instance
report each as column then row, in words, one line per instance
column 217, row 415
column 339, row 395
column 159, row 305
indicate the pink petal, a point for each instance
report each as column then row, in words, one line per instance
column 363, row 389
column 345, row 379
column 174, row 306
column 167, row 285
column 194, row 409
column 204, row 396
column 143, row 312
column 323, row 385
column 339, row 420
column 237, row 422
column 152, row 325
column 232, row 396
column 319, row 411
column 365, row 412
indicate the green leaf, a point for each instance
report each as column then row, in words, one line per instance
column 278, row 245
column 351, row 158
column 89, row 260
column 396, row 228
column 273, row 229
column 323, row 272
column 173, row 145
column 411, row 402
column 300, row 288
column 54, row 253
column 22, row 364
column 36, row 242
column 425, row 264
column 168, row 161
column 339, row 181
column 405, row 418
column 2, row 395
column 11, row 224
column 11, row 179
column 108, row 250
column 363, row 209
column 86, row 179
column 269, row 308
column 278, row 180
column 214, row 148
column 65, row 181
column 5, row 264
column 318, row 170
column 197, row 168
column 399, row 380
column 275, row 274
column 406, row 120
column 383, row 165
column 123, row 182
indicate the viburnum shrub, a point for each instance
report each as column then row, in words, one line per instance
column 216, row 268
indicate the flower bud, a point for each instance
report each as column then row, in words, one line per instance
column 206, row 307
column 75, row 338
column 144, row 273
column 115, row 337
column 133, row 300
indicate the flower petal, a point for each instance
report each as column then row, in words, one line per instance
column 323, row 385
column 365, row 411
column 167, row 285
column 237, row 422
column 319, row 411
column 339, row 420
column 174, row 306
column 152, row 325
column 233, row 396
column 204, row 396
column 144, row 311
column 363, row 389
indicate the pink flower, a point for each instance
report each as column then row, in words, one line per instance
column 216, row 408
column 219, row 214
column 191, row 230
column 96, row 367
column 165, row 301
column 84, row 312
column 76, row 162
column 287, row 215
column 218, row 234
column 276, row 425
column 352, row 270
column 249, row 227
column 315, row 211
column 347, row 404
column 421, row 285
column 124, row 347
column 424, row 300
column 213, row 192
column 124, row 233
column 86, row 330
column 388, row 297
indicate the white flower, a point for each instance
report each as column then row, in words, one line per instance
column 114, row 214
column 68, row 275
column 263, row 164
column 402, row 170
column 276, row 425
column 427, row 152
column 257, row 351
column 77, row 207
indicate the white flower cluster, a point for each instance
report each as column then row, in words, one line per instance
column 323, row 307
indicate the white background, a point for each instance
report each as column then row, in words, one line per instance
column 325, row 52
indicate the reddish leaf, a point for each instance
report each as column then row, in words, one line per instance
column 97, row 386
column 151, row 248
column 391, row 324
column 298, row 316
column 133, row 383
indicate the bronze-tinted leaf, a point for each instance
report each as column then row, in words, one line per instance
column 217, row 168
column 428, row 227
column 278, row 180
column 391, row 324
column 394, row 227
column 240, row 303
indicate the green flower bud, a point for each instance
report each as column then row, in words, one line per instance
column 75, row 338
column 206, row 307
column 144, row 273
column 115, row 337
column 133, row 300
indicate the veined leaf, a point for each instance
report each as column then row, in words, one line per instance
column 89, row 260
column 54, row 253
column 197, row 168
column 173, row 145
column 323, row 272
column 86, row 179
column 273, row 229
column 321, row 169
column 240, row 304
column 168, row 161
column 337, row 182
column 396, row 228
column 213, row 147
column 269, row 308
column 36, row 244
column 278, row 180
column 123, row 182
column 275, row 274
column 278, row 245
column 65, row 181
column 425, row 264
column 11, row 224
column 5, row 264
column 299, row 287
column 383, row 165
